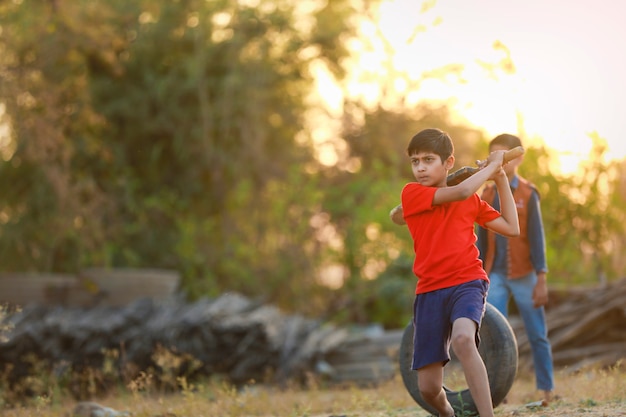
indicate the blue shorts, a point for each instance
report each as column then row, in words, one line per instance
column 433, row 315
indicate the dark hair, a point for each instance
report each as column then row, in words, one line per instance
column 431, row 140
column 507, row 140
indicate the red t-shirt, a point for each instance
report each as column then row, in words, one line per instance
column 443, row 237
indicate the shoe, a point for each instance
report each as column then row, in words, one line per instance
column 537, row 404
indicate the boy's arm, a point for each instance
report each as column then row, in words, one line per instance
column 507, row 224
column 471, row 185
column 537, row 242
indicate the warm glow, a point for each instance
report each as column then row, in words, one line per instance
column 551, row 72
column 333, row 276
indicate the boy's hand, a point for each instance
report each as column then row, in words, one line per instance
column 500, row 173
column 540, row 292
column 496, row 157
column 397, row 215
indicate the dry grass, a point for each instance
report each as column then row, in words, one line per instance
column 592, row 393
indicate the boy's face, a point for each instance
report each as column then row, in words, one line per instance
column 510, row 167
column 429, row 170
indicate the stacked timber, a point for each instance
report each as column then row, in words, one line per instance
column 368, row 355
column 231, row 336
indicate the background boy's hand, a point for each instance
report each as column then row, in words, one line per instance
column 540, row 292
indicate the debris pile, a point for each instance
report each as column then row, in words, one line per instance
column 231, row 336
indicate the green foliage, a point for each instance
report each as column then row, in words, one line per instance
column 582, row 214
column 391, row 295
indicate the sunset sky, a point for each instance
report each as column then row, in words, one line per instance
column 551, row 71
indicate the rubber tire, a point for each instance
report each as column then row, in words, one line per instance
column 498, row 349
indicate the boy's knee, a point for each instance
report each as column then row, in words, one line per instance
column 463, row 344
column 428, row 388
column 429, row 391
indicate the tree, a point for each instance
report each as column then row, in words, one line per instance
column 153, row 133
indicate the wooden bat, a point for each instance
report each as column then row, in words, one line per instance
column 457, row 177
column 462, row 174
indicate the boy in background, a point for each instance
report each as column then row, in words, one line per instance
column 517, row 266
column 452, row 285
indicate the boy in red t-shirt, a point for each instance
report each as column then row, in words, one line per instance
column 452, row 284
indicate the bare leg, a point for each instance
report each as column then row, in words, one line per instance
column 464, row 345
column 430, row 383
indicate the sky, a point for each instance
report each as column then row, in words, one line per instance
column 551, row 71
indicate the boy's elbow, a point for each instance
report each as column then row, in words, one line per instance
column 514, row 232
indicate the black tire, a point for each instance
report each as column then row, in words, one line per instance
column 498, row 348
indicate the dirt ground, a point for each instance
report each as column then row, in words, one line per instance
column 565, row 408
column 560, row 408
column 593, row 393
